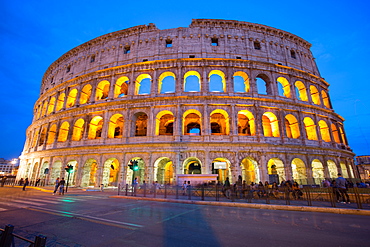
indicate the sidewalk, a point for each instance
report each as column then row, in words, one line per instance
column 322, row 207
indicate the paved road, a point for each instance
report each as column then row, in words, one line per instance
column 93, row 219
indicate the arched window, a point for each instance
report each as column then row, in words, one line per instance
column 299, row 173
column 85, row 94
column 217, row 82
column 164, row 123
column 292, row 127
column 325, row 99
column 263, row 85
column 310, row 127
column 121, row 87
column 284, row 87
column 35, row 137
column 241, row 82
column 141, row 124
column 71, row 99
column 324, row 131
column 52, row 133
column 315, row 96
column 270, row 125
column 219, row 122
column 95, row 128
column 342, row 135
column 192, row 122
column 60, row 101
column 63, row 132
column 192, row 81
column 115, row 129
column 78, row 130
column 246, row 123
column 102, row 90
column 166, row 82
column 42, row 136
column 301, row 91
column 142, row 84
column 335, row 133
column 51, row 105
column 44, row 107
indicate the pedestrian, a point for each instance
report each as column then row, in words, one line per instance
column 61, row 186
column 184, row 188
column 37, row 182
column 297, row 193
column 335, row 190
column 25, row 183
column 3, row 181
column 341, row 185
column 227, row 187
column 21, row 182
column 56, row 186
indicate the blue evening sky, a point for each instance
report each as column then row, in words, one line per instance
column 33, row 34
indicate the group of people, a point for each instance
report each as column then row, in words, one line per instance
column 59, row 184
column 340, row 186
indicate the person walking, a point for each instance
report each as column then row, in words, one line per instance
column 25, row 183
column 341, row 185
column 56, row 186
column 61, row 186
column 227, row 187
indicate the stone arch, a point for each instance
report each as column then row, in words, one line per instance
column 310, row 128
column 335, row 133
column 164, row 171
column 192, row 165
column 291, row 126
column 63, row 132
column 85, row 94
column 270, row 125
column 246, row 123
column 52, row 134
column 115, row 126
column 42, row 137
column 121, row 87
column 324, row 131
column 60, row 102
column 164, row 123
column 241, row 82
column 222, row 167
column 264, row 84
column 110, row 172
column 315, row 95
column 96, row 127
column 102, row 90
column 192, row 81
column 217, row 81
column 344, row 170
column 317, row 171
column 284, row 87
column 143, row 84
column 56, row 171
column 78, row 129
column 192, row 124
column 301, row 91
column 139, row 174
column 71, row 99
column 299, row 173
column 250, row 171
column 219, row 121
column 166, row 82
column 44, row 107
column 89, row 173
column 51, row 106
column 325, row 99
column 140, row 124
column 332, row 168
column 276, row 170
column 72, row 174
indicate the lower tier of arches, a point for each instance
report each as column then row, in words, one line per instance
column 111, row 166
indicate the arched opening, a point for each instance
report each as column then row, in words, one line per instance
column 139, row 174
column 115, row 128
column 192, row 81
column 299, row 173
column 333, row 170
column 221, row 167
column 192, row 165
column 110, row 172
column 121, row 87
column 324, row 131
column 219, row 122
column 51, row 105
column 217, row 82
column 95, row 128
column 317, row 171
column 192, row 122
column 310, row 128
column 263, row 85
column 246, row 123
column 301, row 91
column 89, row 173
column 270, row 125
column 71, row 99
column 342, row 135
column 72, row 174
column 315, row 96
column 42, row 136
column 141, row 124
column 241, row 82
column 275, row 169
column 85, row 94
column 44, row 107
column 55, row 172
column 60, row 102
column 164, row 171
column 335, row 133
column 291, row 127
column 250, row 171
column 166, row 82
column 78, row 130
column 325, row 99
column 343, row 167
column 102, row 90
column 52, row 133
column 164, row 123
column 143, row 84
column 284, row 87
column 63, row 132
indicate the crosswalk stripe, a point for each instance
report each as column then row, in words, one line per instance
column 28, row 202
column 44, row 201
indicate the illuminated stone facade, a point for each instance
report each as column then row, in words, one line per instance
column 179, row 100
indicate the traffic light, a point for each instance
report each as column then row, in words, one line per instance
column 133, row 165
column 69, row 168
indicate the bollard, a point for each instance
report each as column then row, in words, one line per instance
column 165, row 190
column 287, row 198
column 126, row 189
column 189, row 191
column 119, row 188
column 177, row 192
column 357, row 198
column 7, row 236
column 202, row 192
column 40, row 241
column 308, row 194
column 267, row 195
column 331, row 197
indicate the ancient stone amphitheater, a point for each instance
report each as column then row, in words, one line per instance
column 218, row 97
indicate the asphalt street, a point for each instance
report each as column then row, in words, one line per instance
column 82, row 218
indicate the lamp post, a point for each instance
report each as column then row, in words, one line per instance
column 69, row 170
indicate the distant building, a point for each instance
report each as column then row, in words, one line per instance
column 363, row 166
column 7, row 167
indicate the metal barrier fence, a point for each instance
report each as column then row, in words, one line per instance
column 7, row 238
column 306, row 196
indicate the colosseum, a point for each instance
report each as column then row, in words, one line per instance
column 217, row 99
